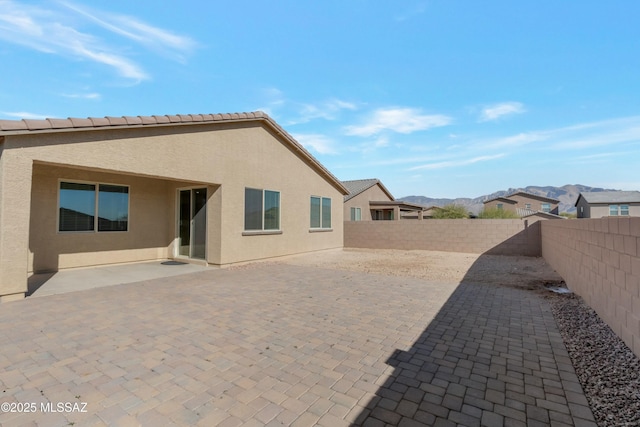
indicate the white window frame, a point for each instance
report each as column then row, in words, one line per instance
column 263, row 230
column 614, row 210
column 545, row 207
column 96, row 184
column 356, row 214
column 322, row 227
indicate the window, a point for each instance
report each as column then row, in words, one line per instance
column 527, row 206
column 79, row 202
column 499, row 206
column 261, row 210
column 320, row 212
column 545, row 207
column 621, row 210
column 613, row 210
column 356, row 214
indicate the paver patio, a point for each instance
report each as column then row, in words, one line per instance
column 276, row 344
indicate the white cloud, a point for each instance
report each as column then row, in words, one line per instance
column 400, row 120
column 457, row 163
column 92, row 95
column 24, row 115
column 315, row 142
column 55, row 31
column 496, row 111
column 151, row 37
column 326, row 110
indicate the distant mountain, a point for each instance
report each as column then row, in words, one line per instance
column 567, row 194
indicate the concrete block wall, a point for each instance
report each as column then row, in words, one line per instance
column 600, row 260
column 490, row 236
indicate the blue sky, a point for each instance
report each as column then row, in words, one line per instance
column 442, row 98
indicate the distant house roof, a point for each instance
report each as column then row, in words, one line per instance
column 524, row 194
column 400, row 204
column 525, row 213
column 358, row 186
column 606, row 197
column 502, row 199
column 29, row 126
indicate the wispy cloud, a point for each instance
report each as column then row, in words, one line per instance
column 400, row 120
column 457, row 163
column 53, row 30
column 319, row 143
column 92, row 95
column 292, row 112
column 327, row 110
column 153, row 38
column 24, row 115
column 496, row 111
column 416, row 9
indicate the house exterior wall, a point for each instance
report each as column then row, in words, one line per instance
column 602, row 210
column 521, row 202
column 600, row 260
column 372, row 194
column 505, row 205
column 491, row 236
column 151, row 218
column 224, row 157
column 583, row 209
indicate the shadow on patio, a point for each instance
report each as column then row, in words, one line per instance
column 492, row 356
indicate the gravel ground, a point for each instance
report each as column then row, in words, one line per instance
column 608, row 370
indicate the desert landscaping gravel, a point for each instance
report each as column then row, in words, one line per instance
column 608, row 370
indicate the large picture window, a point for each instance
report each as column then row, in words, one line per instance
column 79, row 203
column 261, row 210
column 320, row 209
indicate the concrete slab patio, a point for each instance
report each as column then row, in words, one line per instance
column 278, row 344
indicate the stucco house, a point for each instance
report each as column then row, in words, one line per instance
column 525, row 204
column 598, row 204
column 214, row 189
column 369, row 200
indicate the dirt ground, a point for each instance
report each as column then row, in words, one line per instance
column 528, row 272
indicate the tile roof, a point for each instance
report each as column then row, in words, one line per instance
column 28, row 126
column 358, row 186
column 610, row 197
column 525, row 194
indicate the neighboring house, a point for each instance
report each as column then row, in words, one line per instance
column 525, row 204
column 369, row 200
column 599, row 204
column 215, row 189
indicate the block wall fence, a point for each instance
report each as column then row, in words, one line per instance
column 599, row 259
column 490, row 236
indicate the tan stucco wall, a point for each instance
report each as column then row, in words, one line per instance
column 373, row 194
column 151, row 217
column 505, row 205
column 491, row 236
column 226, row 157
column 602, row 210
column 600, row 260
column 521, row 202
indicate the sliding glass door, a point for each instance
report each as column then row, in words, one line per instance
column 192, row 223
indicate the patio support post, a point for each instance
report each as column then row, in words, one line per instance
column 396, row 213
column 15, row 211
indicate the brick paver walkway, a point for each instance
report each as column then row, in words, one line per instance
column 276, row 344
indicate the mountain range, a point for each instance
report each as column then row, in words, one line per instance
column 567, row 194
